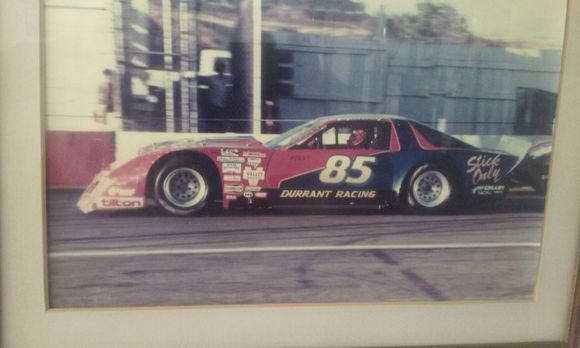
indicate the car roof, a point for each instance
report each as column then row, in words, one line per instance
column 360, row 117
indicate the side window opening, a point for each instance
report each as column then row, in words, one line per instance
column 334, row 137
column 329, row 137
column 352, row 135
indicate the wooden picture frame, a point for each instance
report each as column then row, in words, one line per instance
column 26, row 321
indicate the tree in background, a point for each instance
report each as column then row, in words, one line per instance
column 433, row 23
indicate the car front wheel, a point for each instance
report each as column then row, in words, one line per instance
column 182, row 188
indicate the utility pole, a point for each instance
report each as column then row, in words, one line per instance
column 242, row 66
column 188, row 63
column 168, row 65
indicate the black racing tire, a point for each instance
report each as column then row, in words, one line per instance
column 183, row 187
column 430, row 189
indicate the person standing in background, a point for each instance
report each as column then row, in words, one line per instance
column 105, row 102
column 219, row 91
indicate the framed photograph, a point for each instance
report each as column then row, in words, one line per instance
column 332, row 172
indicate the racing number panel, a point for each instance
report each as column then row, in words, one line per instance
column 332, row 165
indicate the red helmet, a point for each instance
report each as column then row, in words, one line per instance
column 357, row 137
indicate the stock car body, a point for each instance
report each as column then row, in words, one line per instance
column 534, row 168
column 346, row 159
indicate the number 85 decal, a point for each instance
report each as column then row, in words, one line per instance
column 337, row 167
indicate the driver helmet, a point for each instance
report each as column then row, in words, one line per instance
column 357, row 137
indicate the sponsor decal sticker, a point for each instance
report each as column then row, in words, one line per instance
column 253, row 188
column 235, row 188
column 484, row 168
column 232, row 178
column 253, row 154
column 230, row 159
column 232, row 168
column 229, row 152
column 120, row 191
column 231, row 197
column 115, row 203
column 253, row 175
column 261, row 194
column 354, row 194
column 488, row 190
column 248, row 194
column 254, row 162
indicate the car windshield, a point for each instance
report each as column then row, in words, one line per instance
column 291, row 136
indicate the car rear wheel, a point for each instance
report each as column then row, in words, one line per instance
column 182, row 187
column 430, row 189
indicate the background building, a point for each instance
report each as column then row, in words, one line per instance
column 317, row 57
column 468, row 89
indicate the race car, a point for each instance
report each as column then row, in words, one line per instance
column 346, row 159
column 534, row 168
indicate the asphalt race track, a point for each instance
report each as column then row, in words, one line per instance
column 282, row 255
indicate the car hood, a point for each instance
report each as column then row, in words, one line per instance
column 221, row 142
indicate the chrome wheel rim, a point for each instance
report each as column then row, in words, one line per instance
column 184, row 187
column 431, row 189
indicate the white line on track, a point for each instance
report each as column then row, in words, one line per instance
column 104, row 253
